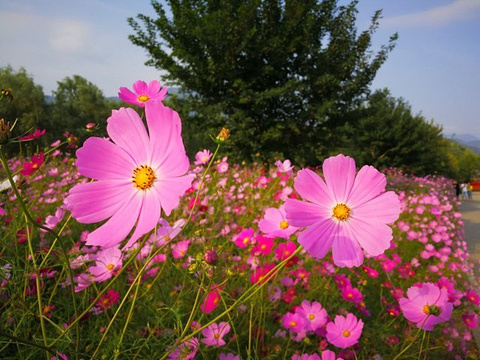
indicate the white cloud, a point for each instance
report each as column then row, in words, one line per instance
column 443, row 15
column 67, row 36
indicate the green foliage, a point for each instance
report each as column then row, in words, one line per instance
column 464, row 165
column 77, row 103
column 28, row 101
column 388, row 134
column 282, row 76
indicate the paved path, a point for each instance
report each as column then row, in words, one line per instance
column 470, row 210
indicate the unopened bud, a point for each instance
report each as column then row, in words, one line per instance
column 7, row 93
column 210, row 257
column 91, row 126
column 223, row 136
column 4, row 132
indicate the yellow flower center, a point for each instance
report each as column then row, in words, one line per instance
column 311, row 317
column 246, row 240
column 426, row 309
column 143, row 177
column 293, row 323
column 110, row 266
column 346, row 333
column 204, row 159
column 283, row 225
column 216, row 335
column 341, row 212
column 143, row 98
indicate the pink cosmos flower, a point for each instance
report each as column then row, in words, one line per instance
column 275, row 224
column 211, row 301
column 346, row 212
column 186, row 351
column 314, row 314
column 263, row 247
column 285, row 166
column 137, row 175
column 426, row 305
column 214, row 334
column 294, row 322
column 228, row 356
column 143, row 93
column 107, row 261
column 202, row 157
column 106, row 301
column 222, row 167
column 473, row 297
column 179, row 250
column 306, row 357
column 470, row 320
column 36, row 134
column 284, row 250
column 30, row 167
column 261, row 272
column 344, row 331
column 244, row 238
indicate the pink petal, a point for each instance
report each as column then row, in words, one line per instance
column 165, row 129
column 317, row 239
column 384, row 208
column 374, row 237
column 311, row 187
column 116, row 229
column 301, row 213
column 96, row 201
column 345, row 249
column 153, row 88
column 149, row 216
column 126, row 129
column 339, row 173
column 368, row 184
column 127, row 96
column 170, row 190
column 101, row 159
column 140, row 87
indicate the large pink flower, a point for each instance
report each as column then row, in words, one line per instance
column 426, row 305
column 344, row 331
column 346, row 212
column 143, row 93
column 138, row 175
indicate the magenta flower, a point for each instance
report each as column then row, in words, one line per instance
column 275, row 224
column 284, row 250
column 244, row 238
column 306, row 357
column 107, row 261
column 143, row 93
column 263, row 247
column 202, row 157
column 36, row 134
column 137, row 175
column 228, row 356
column 426, row 305
column 30, row 167
column 186, row 351
column 346, row 212
column 285, row 166
column 211, row 301
column 314, row 314
column 344, row 331
column 179, row 250
column 214, row 334
column 222, row 167
column 294, row 322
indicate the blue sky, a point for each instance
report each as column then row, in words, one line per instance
column 435, row 66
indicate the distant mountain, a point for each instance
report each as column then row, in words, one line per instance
column 469, row 141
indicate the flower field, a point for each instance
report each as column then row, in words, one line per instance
column 208, row 259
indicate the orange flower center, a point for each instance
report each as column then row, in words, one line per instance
column 341, row 212
column 143, row 98
column 216, row 335
column 426, row 310
column 311, row 317
column 110, row 266
column 246, row 240
column 293, row 323
column 283, row 225
column 143, row 177
column 346, row 333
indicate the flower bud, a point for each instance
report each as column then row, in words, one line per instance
column 223, row 135
column 4, row 132
column 210, row 257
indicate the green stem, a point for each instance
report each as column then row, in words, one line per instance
column 244, row 297
column 27, row 342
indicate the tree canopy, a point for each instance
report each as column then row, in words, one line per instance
column 281, row 75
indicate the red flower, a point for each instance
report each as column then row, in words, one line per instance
column 30, row 167
column 36, row 134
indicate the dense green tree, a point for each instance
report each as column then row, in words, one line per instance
column 388, row 134
column 282, row 75
column 77, row 102
column 28, row 100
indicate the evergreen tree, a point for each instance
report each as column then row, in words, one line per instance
column 281, row 75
